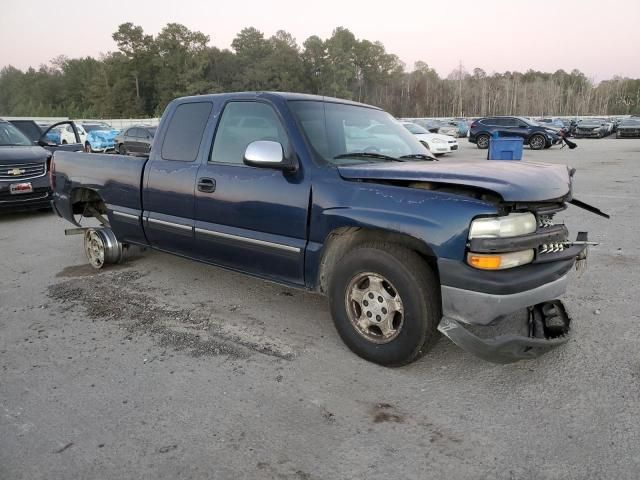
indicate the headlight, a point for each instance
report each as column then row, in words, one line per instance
column 502, row 227
column 499, row 261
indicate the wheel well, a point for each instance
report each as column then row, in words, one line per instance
column 342, row 240
column 84, row 198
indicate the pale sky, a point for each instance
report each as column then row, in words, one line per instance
column 600, row 38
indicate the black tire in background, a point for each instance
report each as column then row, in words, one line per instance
column 415, row 284
column 122, row 150
column 482, row 141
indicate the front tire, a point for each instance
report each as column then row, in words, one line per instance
column 87, row 148
column 385, row 303
column 482, row 142
column 537, row 142
column 122, row 150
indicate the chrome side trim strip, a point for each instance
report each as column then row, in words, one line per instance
column 252, row 241
column 169, row 224
column 126, row 215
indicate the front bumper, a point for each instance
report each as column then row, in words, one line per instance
column 494, row 300
column 40, row 197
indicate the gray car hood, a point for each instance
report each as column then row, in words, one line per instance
column 514, row 181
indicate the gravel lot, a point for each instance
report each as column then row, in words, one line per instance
column 163, row 368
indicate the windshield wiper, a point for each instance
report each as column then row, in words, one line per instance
column 418, row 156
column 367, row 155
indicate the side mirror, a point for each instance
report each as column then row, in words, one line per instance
column 267, row 154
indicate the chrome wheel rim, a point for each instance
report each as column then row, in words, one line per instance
column 483, row 141
column 374, row 307
column 537, row 142
column 94, row 249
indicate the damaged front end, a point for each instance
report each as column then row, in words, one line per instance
column 515, row 263
column 547, row 326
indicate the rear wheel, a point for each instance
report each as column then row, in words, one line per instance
column 385, row 303
column 482, row 142
column 537, row 142
column 101, row 247
column 87, row 147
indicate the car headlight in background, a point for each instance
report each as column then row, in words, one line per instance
column 510, row 225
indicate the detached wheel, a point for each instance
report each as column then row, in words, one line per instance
column 101, row 247
column 482, row 142
column 122, row 150
column 537, row 142
column 385, row 303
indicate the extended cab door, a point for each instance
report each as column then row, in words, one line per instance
column 247, row 218
column 170, row 178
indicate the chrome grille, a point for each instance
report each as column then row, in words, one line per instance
column 22, row 171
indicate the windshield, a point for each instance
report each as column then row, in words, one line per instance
column 337, row 130
column 415, row 129
column 10, row 136
column 96, row 126
column 152, row 131
column 630, row 122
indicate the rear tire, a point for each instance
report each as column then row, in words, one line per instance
column 87, row 148
column 482, row 142
column 385, row 303
column 537, row 142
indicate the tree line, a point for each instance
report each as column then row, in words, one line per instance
column 146, row 72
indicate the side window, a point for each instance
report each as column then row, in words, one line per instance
column 184, row 133
column 242, row 123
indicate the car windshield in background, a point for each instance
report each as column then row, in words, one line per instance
column 89, row 127
column 152, row 131
column 338, row 130
column 10, row 136
column 415, row 129
column 630, row 122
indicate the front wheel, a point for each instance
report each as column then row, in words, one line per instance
column 122, row 150
column 482, row 142
column 537, row 142
column 385, row 303
column 87, row 148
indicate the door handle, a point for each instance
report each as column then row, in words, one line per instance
column 207, row 185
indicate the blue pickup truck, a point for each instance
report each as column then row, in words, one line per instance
column 297, row 189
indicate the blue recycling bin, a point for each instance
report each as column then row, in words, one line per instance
column 505, row 148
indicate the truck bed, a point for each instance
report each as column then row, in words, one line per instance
column 116, row 179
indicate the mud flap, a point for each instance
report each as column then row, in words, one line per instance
column 549, row 327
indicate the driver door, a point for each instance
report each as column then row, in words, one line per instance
column 47, row 144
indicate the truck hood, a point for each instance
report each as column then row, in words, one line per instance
column 22, row 154
column 514, row 181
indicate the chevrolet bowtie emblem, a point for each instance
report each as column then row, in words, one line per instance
column 15, row 172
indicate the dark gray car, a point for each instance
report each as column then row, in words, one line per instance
column 628, row 128
column 135, row 140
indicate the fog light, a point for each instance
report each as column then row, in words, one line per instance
column 499, row 261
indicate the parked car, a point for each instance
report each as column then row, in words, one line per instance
column 533, row 134
column 100, row 137
column 401, row 246
column 436, row 143
column 628, row 128
column 135, row 140
column 428, row 124
column 24, row 164
column 591, row 128
column 67, row 134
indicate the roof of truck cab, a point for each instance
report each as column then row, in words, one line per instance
column 282, row 95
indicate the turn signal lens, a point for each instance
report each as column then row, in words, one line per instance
column 499, row 261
